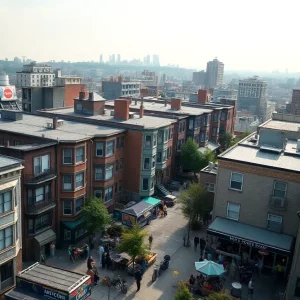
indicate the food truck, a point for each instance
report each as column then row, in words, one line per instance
column 46, row 282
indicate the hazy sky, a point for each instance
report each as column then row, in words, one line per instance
column 245, row 35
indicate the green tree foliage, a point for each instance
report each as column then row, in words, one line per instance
column 183, row 293
column 219, row 296
column 228, row 140
column 132, row 242
column 95, row 215
column 192, row 159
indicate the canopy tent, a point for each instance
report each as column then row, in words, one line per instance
column 209, row 268
column 138, row 209
column 152, row 201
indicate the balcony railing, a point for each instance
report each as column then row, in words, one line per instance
column 40, row 177
column 278, row 203
column 41, row 206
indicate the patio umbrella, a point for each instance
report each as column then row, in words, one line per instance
column 209, row 268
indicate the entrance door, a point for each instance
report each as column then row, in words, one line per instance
column 159, row 177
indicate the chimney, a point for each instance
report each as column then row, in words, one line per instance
column 135, row 101
column 91, row 94
column 121, row 109
column 141, row 110
column 81, row 95
column 202, row 96
column 176, row 104
column 54, row 126
column 166, row 102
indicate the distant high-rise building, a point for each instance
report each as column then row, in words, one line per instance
column 148, row 60
column 199, row 77
column 113, row 59
column 295, row 104
column 252, row 97
column 101, row 59
column 155, row 60
column 119, row 58
column 214, row 73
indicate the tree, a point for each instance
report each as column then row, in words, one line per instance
column 196, row 203
column 190, row 156
column 225, row 141
column 95, row 215
column 219, row 296
column 183, row 293
column 132, row 242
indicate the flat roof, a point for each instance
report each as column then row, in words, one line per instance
column 70, row 131
column 7, row 161
column 161, row 107
column 281, row 125
column 147, row 122
column 53, row 277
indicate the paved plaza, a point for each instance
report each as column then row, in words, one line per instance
column 168, row 239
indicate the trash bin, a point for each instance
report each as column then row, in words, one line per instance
column 175, row 279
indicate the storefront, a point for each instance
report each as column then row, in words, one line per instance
column 41, row 243
column 46, row 282
column 72, row 231
column 250, row 242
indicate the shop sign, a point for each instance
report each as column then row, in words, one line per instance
column 247, row 243
column 83, row 292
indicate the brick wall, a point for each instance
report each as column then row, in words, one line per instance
column 72, row 91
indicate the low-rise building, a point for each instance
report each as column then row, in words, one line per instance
column 208, row 177
column 116, row 89
column 10, row 226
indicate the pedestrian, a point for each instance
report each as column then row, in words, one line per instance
column 280, row 271
column 196, row 242
column 108, row 261
column 250, row 289
column 90, row 263
column 150, row 241
column 86, row 251
column 138, row 279
column 103, row 260
column 101, row 251
column 202, row 245
column 260, row 266
column 70, row 251
column 209, row 256
column 52, row 250
column 221, row 259
column 165, row 210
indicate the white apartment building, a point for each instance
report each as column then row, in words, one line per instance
column 214, row 73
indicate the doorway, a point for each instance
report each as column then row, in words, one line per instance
column 159, row 177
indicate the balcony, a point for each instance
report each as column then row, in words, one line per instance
column 46, row 175
column 41, row 206
column 278, row 203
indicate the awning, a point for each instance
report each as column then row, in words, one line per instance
column 251, row 236
column 45, row 237
column 210, row 145
column 73, row 224
column 138, row 209
column 152, row 201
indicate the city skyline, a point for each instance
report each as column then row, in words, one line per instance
column 63, row 26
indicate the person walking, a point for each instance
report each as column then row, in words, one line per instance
column 250, row 289
column 52, row 250
column 196, row 242
column 202, row 245
column 165, row 210
column 70, row 251
column 138, row 279
column 150, row 241
column 101, row 251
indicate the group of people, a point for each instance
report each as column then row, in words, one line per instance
column 163, row 210
column 75, row 253
column 92, row 270
column 213, row 284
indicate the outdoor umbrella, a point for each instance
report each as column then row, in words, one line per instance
column 209, row 268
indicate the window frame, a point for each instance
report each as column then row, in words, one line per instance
column 79, row 211
column 227, row 209
column 111, row 167
column 71, row 207
column 285, row 191
column 40, row 158
column 271, row 221
column 83, row 183
column 106, row 191
column 83, row 155
column 6, row 236
column 112, row 148
column 12, row 202
column 71, row 156
column 102, row 173
column 97, row 191
column 103, row 149
column 208, row 187
column 242, row 182
column 148, row 146
column 149, row 163
column 72, row 183
column 145, row 178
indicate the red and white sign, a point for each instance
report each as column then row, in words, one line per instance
column 8, row 93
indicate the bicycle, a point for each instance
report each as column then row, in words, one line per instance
column 118, row 283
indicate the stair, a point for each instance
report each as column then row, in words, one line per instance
column 162, row 190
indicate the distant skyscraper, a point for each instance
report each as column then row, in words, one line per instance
column 199, row 77
column 252, row 97
column 113, row 59
column 148, row 60
column 214, row 73
column 155, row 60
column 101, row 59
column 295, row 104
column 119, row 58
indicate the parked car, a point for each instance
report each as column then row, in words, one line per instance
column 170, row 200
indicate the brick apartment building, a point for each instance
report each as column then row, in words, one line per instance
column 66, row 161
column 257, row 196
column 295, row 104
column 10, row 222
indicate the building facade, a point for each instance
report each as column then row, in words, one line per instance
column 214, row 73
column 252, row 97
column 10, row 231
column 295, row 104
column 114, row 90
column 199, row 78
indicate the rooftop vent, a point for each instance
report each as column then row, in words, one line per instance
column 270, row 149
column 131, row 115
column 49, row 125
column 60, row 123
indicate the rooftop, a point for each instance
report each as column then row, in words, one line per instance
column 68, row 132
column 160, row 106
column 146, row 122
column 8, row 162
column 212, row 168
column 56, row 278
column 282, row 125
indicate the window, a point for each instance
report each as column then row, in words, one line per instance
column 120, row 186
column 279, row 189
column 67, row 207
column 117, row 165
column 30, row 226
column 99, row 173
column 154, row 140
column 222, row 129
column 39, row 194
column 179, row 144
column 215, row 117
column 80, row 154
column 67, row 182
column 110, row 148
column 233, row 211
column 79, row 205
column 109, row 172
column 41, row 164
column 5, row 202
column 6, row 237
column 170, row 133
column 116, row 187
column 7, row 275
column 148, row 141
column 160, row 136
column 42, row 222
column 214, row 131
column 166, row 135
column 297, row 288
column 145, row 184
column 108, row 194
column 17, row 143
column 100, row 149
column 98, row 194
column 169, row 152
column 67, row 154
column 120, row 142
column 274, row 222
column 153, row 161
column 79, row 180
column 210, row 187
column 236, row 181
column 67, row 234
column 146, row 163
column 158, row 157
column 191, row 124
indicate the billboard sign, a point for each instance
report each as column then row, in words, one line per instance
column 8, row 93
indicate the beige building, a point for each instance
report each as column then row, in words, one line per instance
column 10, row 222
column 257, row 193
